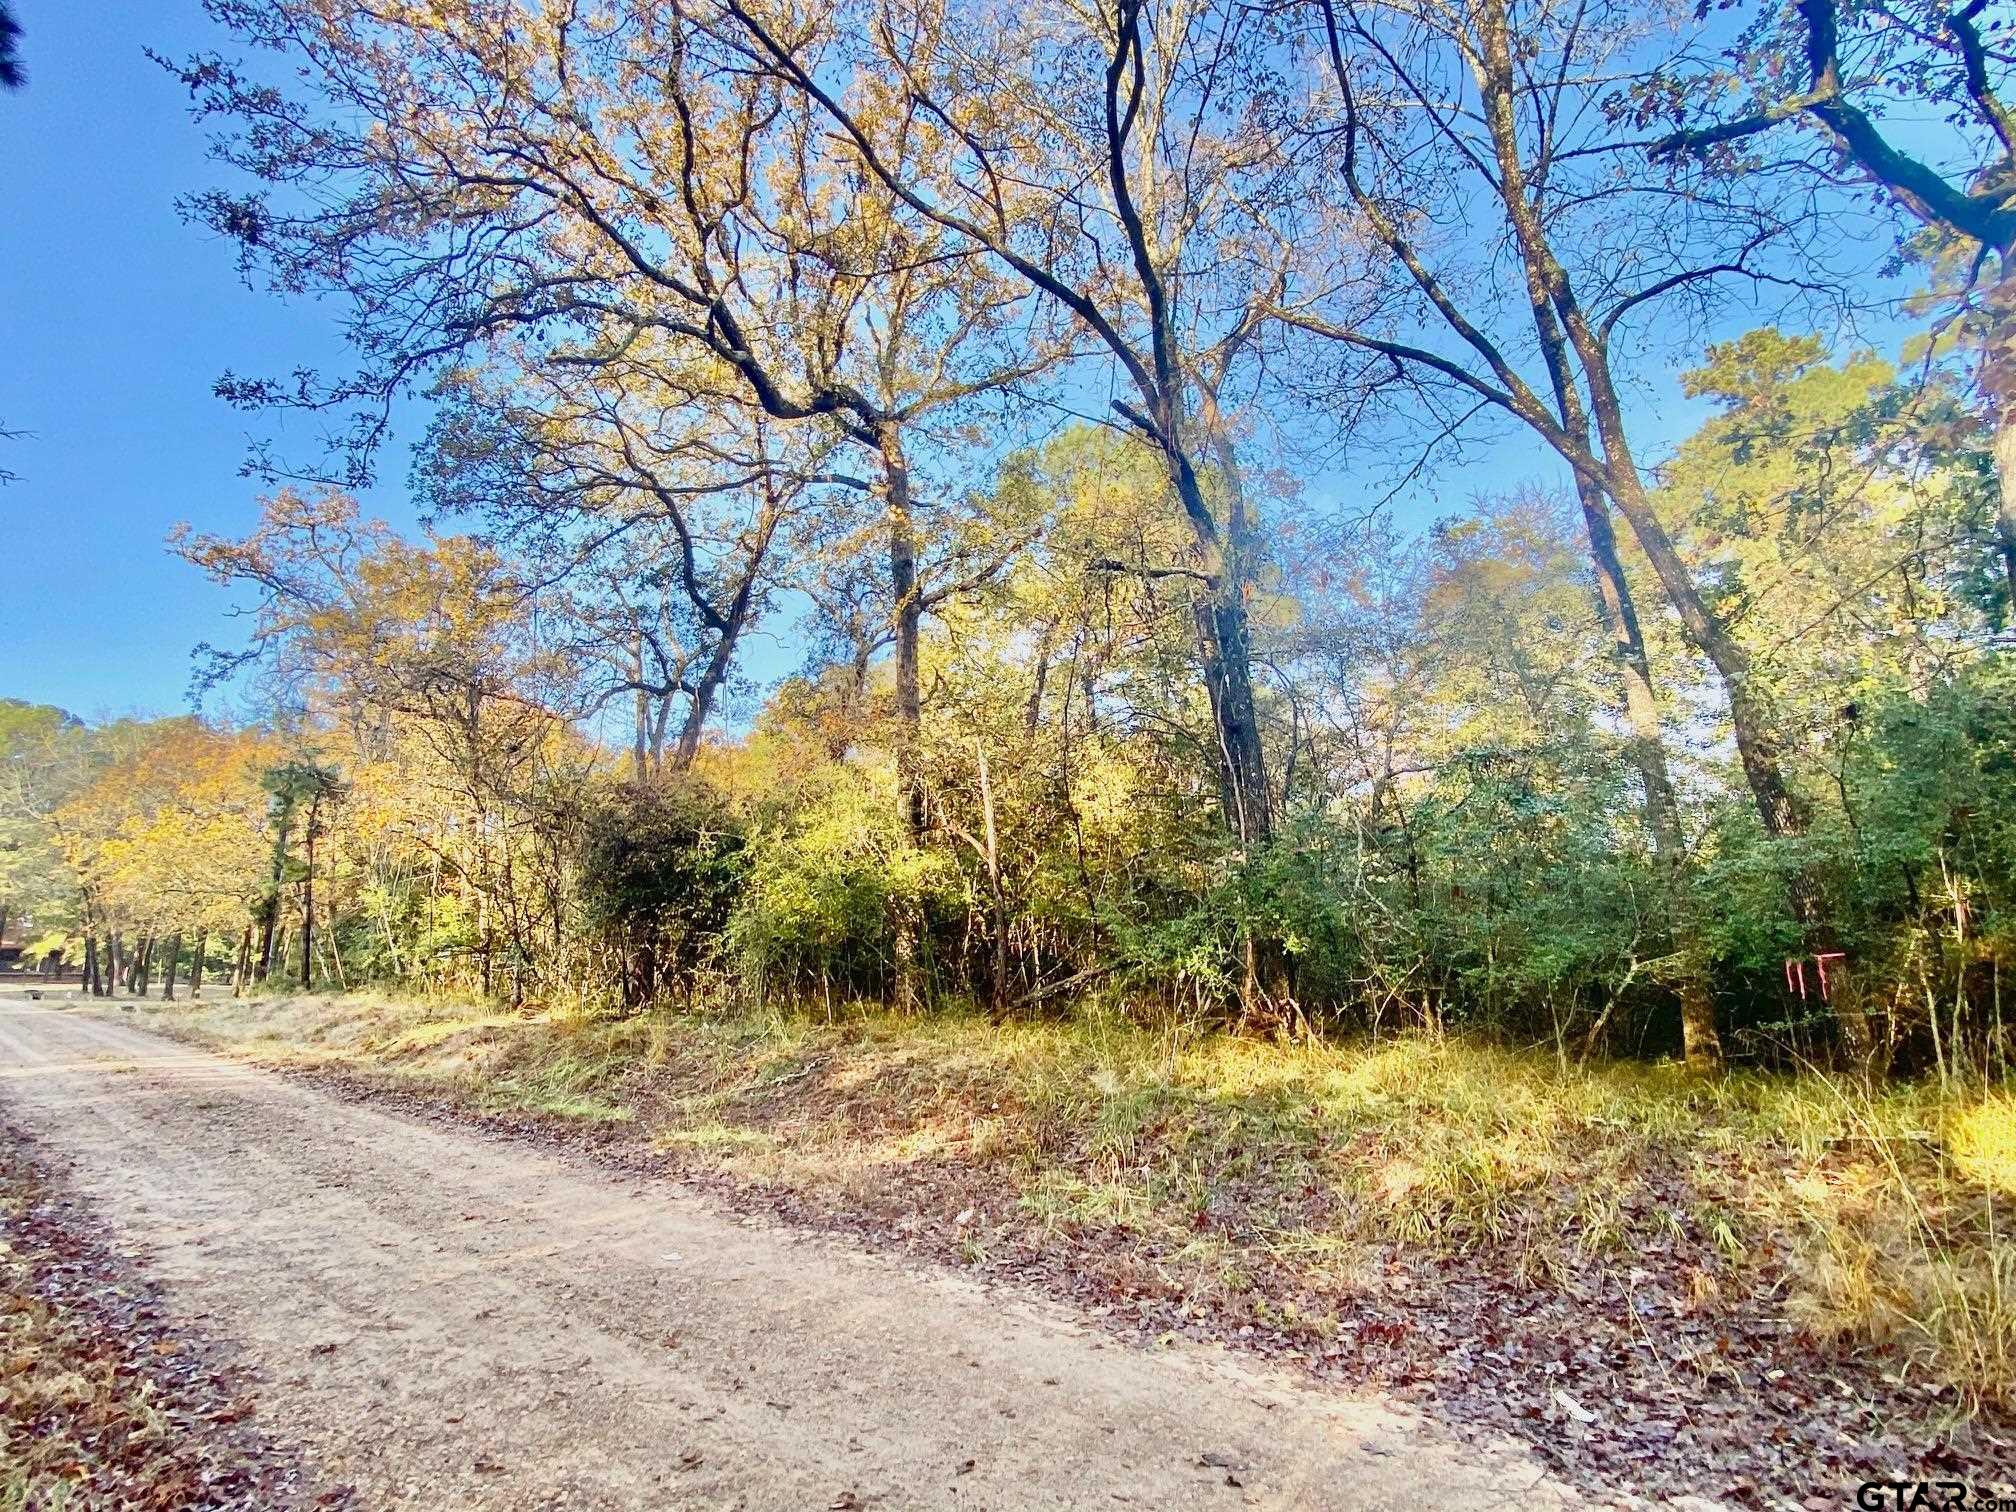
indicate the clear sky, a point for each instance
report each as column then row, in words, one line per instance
column 115, row 320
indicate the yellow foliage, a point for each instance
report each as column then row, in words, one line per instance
column 1982, row 1141
column 172, row 831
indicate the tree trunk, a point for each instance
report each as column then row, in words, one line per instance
column 729, row 625
column 242, row 971
column 1224, row 640
column 196, row 964
column 640, row 750
column 1700, row 1042
column 91, row 983
column 1163, row 386
column 1247, row 796
column 270, row 918
column 1998, row 382
column 269, row 921
column 1240, row 726
column 906, row 612
column 143, row 965
column 999, row 982
column 1756, row 742
column 1635, row 695
column 308, row 902
column 1228, row 680
column 713, row 675
column 1699, row 1037
column 1032, row 711
column 174, row 959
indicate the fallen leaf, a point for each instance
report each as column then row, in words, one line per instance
column 1573, row 1408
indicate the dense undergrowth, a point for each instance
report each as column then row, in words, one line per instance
column 1290, row 1184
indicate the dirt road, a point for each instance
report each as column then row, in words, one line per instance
column 446, row 1320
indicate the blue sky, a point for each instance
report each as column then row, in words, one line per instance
column 116, row 320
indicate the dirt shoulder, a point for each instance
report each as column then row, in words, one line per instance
column 449, row 1320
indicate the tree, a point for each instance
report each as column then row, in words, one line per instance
column 395, row 645
column 1856, row 66
column 1839, row 513
column 293, row 786
column 1022, row 123
column 1534, row 199
column 662, row 516
column 739, row 317
column 1431, row 111
column 44, row 759
column 652, row 212
column 163, row 831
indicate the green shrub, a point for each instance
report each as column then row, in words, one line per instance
column 662, row 866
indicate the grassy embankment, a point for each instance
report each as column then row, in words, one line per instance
column 1284, row 1186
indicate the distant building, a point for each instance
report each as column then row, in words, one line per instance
column 17, row 933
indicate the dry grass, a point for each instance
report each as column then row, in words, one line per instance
column 1881, row 1212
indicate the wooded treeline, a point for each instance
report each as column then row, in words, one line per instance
column 1041, row 377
